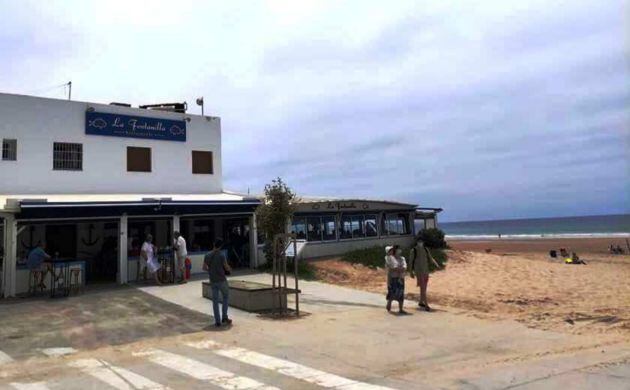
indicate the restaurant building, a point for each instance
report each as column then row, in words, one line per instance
column 89, row 181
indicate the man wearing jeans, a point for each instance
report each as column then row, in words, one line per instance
column 217, row 265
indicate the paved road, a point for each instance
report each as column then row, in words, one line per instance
column 347, row 342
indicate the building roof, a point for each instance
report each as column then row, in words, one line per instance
column 314, row 199
column 11, row 203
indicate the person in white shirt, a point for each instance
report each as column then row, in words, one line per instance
column 180, row 256
column 148, row 254
column 396, row 268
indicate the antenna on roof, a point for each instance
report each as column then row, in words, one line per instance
column 69, row 90
column 200, row 103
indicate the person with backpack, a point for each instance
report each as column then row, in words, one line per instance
column 419, row 269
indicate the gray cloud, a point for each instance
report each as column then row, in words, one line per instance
column 490, row 110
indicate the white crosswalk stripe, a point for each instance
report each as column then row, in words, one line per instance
column 30, row 386
column 202, row 371
column 287, row 368
column 59, row 351
column 4, row 358
column 117, row 377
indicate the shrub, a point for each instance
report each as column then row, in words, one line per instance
column 370, row 257
column 375, row 257
column 433, row 238
column 306, row 270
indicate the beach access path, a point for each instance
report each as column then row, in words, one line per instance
column 347, row 341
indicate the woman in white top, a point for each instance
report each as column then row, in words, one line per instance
column 396, row 269
column 149, row 254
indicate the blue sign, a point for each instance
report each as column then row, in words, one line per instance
column 115, row 125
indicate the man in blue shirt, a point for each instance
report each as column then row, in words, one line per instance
column 35, row 261
column 217, row 266
column 36, row 257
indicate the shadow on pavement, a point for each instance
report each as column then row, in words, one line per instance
column 98, row 318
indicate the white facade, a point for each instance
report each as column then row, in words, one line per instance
column 36, row 123
column 102, row 201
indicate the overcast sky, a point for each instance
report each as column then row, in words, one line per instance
column 489, row 109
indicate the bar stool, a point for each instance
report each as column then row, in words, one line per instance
column 75, row 280
column 35, row 281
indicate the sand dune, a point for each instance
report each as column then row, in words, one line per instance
column 525, row 286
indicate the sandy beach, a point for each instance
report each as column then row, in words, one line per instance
column 517, row 280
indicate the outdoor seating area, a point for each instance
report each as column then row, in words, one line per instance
column 59, row 277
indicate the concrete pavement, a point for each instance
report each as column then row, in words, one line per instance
column 348, row 339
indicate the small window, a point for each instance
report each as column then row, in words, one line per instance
column 138, row 159
column 67, row 157
column 202, row 162
column 9, row 149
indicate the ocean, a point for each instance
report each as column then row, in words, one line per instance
column 590, row 226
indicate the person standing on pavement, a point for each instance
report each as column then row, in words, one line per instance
column 419, row 269
column 396, row 269
column 148, row 257
column 180, row 256
column 217, row 266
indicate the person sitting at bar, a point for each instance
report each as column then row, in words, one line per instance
column 148, row 253
column 36, row 261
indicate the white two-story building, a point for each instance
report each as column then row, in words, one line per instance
column 90, row 181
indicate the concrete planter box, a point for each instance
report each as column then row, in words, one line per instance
column 249, row 296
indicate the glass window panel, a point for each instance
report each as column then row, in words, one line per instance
column 299, row 228
column 330, row 228
column 392, row 226
column 370, row 226
column 314, row 228
column 357, row 226
column 346, row 227
column 403, row 223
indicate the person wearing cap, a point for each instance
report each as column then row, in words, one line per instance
column 419, row 269
column 396, row 269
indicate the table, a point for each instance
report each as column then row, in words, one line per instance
column 59, row 280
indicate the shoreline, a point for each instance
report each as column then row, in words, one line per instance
column 551, row 236
column 542, row 246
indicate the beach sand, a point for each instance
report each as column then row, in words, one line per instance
column 517, row 280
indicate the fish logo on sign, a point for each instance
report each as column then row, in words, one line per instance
column 99, row 123
column 176, row 130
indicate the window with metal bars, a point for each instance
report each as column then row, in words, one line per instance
column 9, row 149
column 67, row 156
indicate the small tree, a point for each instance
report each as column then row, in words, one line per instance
column 433, row 238
column 273, row 215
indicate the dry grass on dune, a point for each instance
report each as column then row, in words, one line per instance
column 527, row 287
